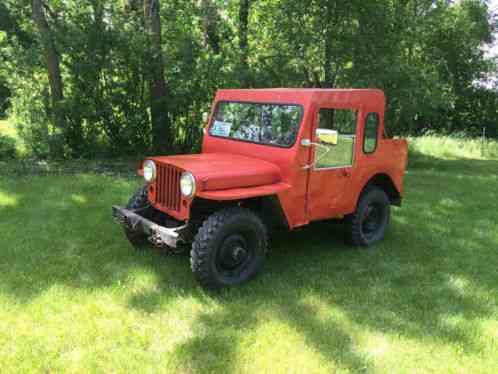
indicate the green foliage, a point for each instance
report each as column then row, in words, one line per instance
column 7, row 147
column 457, row 146
column 10, row 144
column 426, row 55
column 4, row 99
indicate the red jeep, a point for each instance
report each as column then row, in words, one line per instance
column 272, row 157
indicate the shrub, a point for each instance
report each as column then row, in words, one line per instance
column 7, row 147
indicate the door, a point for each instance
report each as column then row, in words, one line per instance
column 330, row 180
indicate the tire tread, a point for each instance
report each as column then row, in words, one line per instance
column 199, row 255
column 353, row 235
column 137, row 201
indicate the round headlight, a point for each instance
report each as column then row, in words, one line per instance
column 149, row 171
column 187, row 184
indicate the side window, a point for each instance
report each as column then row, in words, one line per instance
column 370, row 133
column 341, row 154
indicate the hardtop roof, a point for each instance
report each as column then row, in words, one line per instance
column 342, row 98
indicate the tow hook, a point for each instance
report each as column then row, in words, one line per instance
column 156, row 240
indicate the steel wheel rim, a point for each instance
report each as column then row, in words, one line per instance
column 372, row 220
column 233, row 256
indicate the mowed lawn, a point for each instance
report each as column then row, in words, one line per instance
column 74, row 297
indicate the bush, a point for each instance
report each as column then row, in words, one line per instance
column 7, row 147
column 4, row 99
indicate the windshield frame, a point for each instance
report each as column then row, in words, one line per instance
column 300, row 121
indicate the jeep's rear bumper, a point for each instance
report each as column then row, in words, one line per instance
column 157, row 235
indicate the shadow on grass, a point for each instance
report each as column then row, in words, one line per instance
column 437, row 261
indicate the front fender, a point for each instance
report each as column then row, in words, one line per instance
column 244, row 193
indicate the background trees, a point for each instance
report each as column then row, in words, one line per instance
column 100, row 77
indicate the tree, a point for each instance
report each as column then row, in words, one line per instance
column 108, row 77
column 244, row 8
column 10, row 25
column 161, row 131
column 53, row 67
column 210, row 21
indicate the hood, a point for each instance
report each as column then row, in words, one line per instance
column 220, row 171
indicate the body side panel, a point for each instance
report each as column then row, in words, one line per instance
column 389, row 159
column 340, row 198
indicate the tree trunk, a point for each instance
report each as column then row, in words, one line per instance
column 53, row 66
column 243, row 44
column 161, row 131
column 329, row 79
column 210, row 25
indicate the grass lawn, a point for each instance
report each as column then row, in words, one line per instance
column 74, row 297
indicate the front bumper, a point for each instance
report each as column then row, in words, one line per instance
column 157, row 234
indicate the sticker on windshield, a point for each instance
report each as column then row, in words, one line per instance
column 221, row 128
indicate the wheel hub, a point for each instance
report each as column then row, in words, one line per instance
column 233, row 253
column 239, row 254
column 372, row 219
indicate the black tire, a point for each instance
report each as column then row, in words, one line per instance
column 229, row 248
column 140, row 201
column 368, row 224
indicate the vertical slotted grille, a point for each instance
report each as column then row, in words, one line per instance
column 168, row 187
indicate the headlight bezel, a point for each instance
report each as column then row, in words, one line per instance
column 153, row 174
column 187, row 177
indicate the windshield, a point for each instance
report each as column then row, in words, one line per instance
column 272, row 124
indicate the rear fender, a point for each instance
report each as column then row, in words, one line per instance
column 387, row 183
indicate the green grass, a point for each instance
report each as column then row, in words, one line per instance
column 449, row 148
column 329, row 156
column 74, row 297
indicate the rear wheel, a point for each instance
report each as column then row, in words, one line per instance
column 368, row 224
column 229, row 248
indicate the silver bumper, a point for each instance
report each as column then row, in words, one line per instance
column 157, row 235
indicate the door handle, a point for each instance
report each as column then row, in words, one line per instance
column 346, row 173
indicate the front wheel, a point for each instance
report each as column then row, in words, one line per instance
column 368, row 224
column 229, row 248
column 140, row 202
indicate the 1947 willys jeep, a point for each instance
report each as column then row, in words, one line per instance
column 272, row 157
